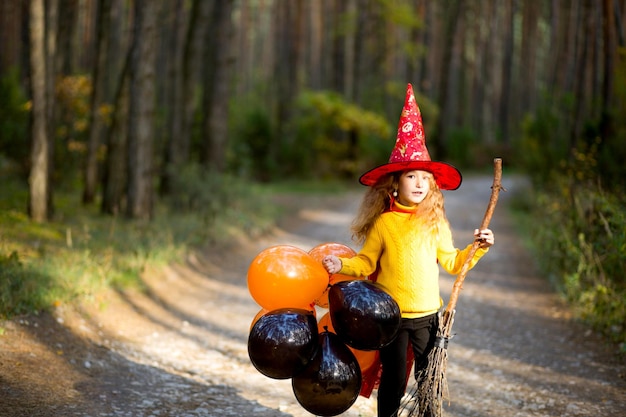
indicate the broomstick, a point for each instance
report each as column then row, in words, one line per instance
column 425, row 398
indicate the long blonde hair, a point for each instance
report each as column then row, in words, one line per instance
column 377, row 200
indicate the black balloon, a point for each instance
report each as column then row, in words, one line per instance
column 363, row 315
column 283, row 342
column 331, row 383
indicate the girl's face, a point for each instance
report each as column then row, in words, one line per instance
column 413, row 187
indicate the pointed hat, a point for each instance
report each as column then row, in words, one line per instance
column 410, row 151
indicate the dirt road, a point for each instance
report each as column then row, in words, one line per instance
column 180, row 349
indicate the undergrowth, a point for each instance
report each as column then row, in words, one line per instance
column 82, row 252
column 577, row 231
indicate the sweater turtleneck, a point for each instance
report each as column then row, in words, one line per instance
column 407, row 256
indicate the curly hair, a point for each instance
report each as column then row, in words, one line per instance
column 377, row 200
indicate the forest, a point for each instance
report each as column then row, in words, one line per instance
column 127, row 105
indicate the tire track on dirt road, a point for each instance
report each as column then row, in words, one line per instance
column 180, row 348
column 516, row 350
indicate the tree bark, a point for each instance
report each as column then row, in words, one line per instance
column 609, row 35
column 115, row 176
column 52, row 75
column 528, row 56
column 508, row 49
column 174, row 153
column 451, row 19
column 216, row 85
column 69, row 10
column 40, row 151
column 585, row 37
column 316, row 22
column 198, row 24
column 286, row 67
column 141, row 111
column 96, row 125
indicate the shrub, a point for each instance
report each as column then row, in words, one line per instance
column 330, row 134
column 219, row 200
column 14, row 109
column 579, row 226
column 579, row 232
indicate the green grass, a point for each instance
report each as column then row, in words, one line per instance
column 77, row 255
column 81, row 253
column 578, row 236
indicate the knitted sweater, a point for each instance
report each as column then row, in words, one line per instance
column 407, row 257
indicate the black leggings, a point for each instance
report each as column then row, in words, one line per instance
column 421, row 333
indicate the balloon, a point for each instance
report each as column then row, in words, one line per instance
column 260, row 314
column 282, row 342
column 264, row 311
column 338, row 249
column 363, row 315
column 284, row 276
column 365, row 358
column 331, row 383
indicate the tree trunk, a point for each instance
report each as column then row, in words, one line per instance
column 474, row 67
column 115, row 176
column 10, row 31
column 451, row 18
column 316, row 22
column 40, row 150
column 609, row 35
column 52, row 74
column 528, row 56
column 349, row 51
column 141, row 112
column 198, row 24
column 174, row 156
column 286, row 67
column 96, row 125
column 67, row 32
column 569, row 76
column 508, row 48
column 420, row 37
column 337, row 48
column 585, row 37
column 216, row 85
column 485, row 130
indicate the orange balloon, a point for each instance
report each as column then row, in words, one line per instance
column 338, row 249
column 264, row 311
column 365, row 358
column 260, row 314
column 284, row 276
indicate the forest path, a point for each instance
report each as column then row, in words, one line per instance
column 180, row 349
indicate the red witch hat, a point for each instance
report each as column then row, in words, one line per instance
column 410, row 153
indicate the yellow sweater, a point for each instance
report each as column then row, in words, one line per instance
column 407, row 254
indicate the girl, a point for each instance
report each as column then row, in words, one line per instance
column 406, row 236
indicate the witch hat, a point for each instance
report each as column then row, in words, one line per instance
column 410, row 152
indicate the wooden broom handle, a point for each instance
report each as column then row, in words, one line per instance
column 458, row 283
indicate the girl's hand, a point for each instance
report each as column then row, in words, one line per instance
column 485, row 237
column 332, row 264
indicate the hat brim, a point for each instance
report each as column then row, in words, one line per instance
column 446, row 176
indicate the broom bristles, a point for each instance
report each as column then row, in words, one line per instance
column 430, row 388
column 431, row 384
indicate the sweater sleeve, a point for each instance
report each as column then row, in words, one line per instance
column 452, row 259
column 365, row 262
